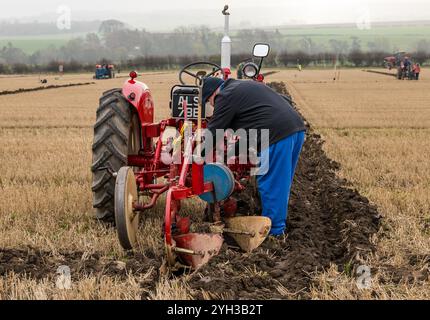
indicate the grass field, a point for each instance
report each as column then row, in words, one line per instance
column 378, row 128
column 398, row 37
column 386, row 37
column 45, row 137
column 31, row 44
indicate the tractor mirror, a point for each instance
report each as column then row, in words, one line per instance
column 261, row 50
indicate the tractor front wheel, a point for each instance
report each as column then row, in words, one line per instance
column 116, row 135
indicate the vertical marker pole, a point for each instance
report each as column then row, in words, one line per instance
column 226, row 41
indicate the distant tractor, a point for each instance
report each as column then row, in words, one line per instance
column 401, row 61
column 106, row 71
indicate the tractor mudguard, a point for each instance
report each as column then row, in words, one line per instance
column 138, row 94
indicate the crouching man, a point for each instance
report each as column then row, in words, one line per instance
column 250, row 105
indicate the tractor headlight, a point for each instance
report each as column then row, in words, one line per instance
column 250, row 70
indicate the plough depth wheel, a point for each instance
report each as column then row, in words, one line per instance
column 127, row 220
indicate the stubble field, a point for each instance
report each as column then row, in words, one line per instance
column 377, row 128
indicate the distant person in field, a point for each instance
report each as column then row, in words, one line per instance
column 417, row 71
column 407, row 63
column 242, row 104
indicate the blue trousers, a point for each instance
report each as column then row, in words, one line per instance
column 277, row 166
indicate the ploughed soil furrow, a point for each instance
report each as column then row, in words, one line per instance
column 328, row 223
column 381, row 72
column 22, row 90
column 36, row 264
column 39, row 264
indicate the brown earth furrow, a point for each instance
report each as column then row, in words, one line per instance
column 22, row 90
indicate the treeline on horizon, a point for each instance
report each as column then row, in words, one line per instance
column 142, row 50
column 159, row 63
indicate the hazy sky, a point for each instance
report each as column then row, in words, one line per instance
column 244, row 12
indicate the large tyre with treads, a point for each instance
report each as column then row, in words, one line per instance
column 116, row 135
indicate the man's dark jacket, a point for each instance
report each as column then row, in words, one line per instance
column 243, row 104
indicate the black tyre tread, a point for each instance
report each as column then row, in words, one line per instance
column 102, row 180
column 102, row 161
column 110, row 150
column 104, row 200
column 119, row 133
column 111, row 91
column 116, row 152
column 102, row 120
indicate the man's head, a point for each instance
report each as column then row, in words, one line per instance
column 210, row 87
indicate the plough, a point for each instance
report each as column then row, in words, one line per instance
column 136, row 160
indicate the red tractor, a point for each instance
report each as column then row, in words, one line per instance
column 133, row 160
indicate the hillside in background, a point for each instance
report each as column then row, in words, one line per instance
column 119, row 43
column 393, row 36
column 387, row 36
column 34, row 36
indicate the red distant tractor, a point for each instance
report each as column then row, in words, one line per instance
column 130, row 175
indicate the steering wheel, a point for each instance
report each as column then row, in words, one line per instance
column 201, row 74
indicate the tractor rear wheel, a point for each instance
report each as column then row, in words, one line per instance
column 116, row 135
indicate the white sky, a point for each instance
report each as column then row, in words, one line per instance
column 267, row 12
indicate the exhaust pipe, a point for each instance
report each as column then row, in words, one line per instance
column 226, row 41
